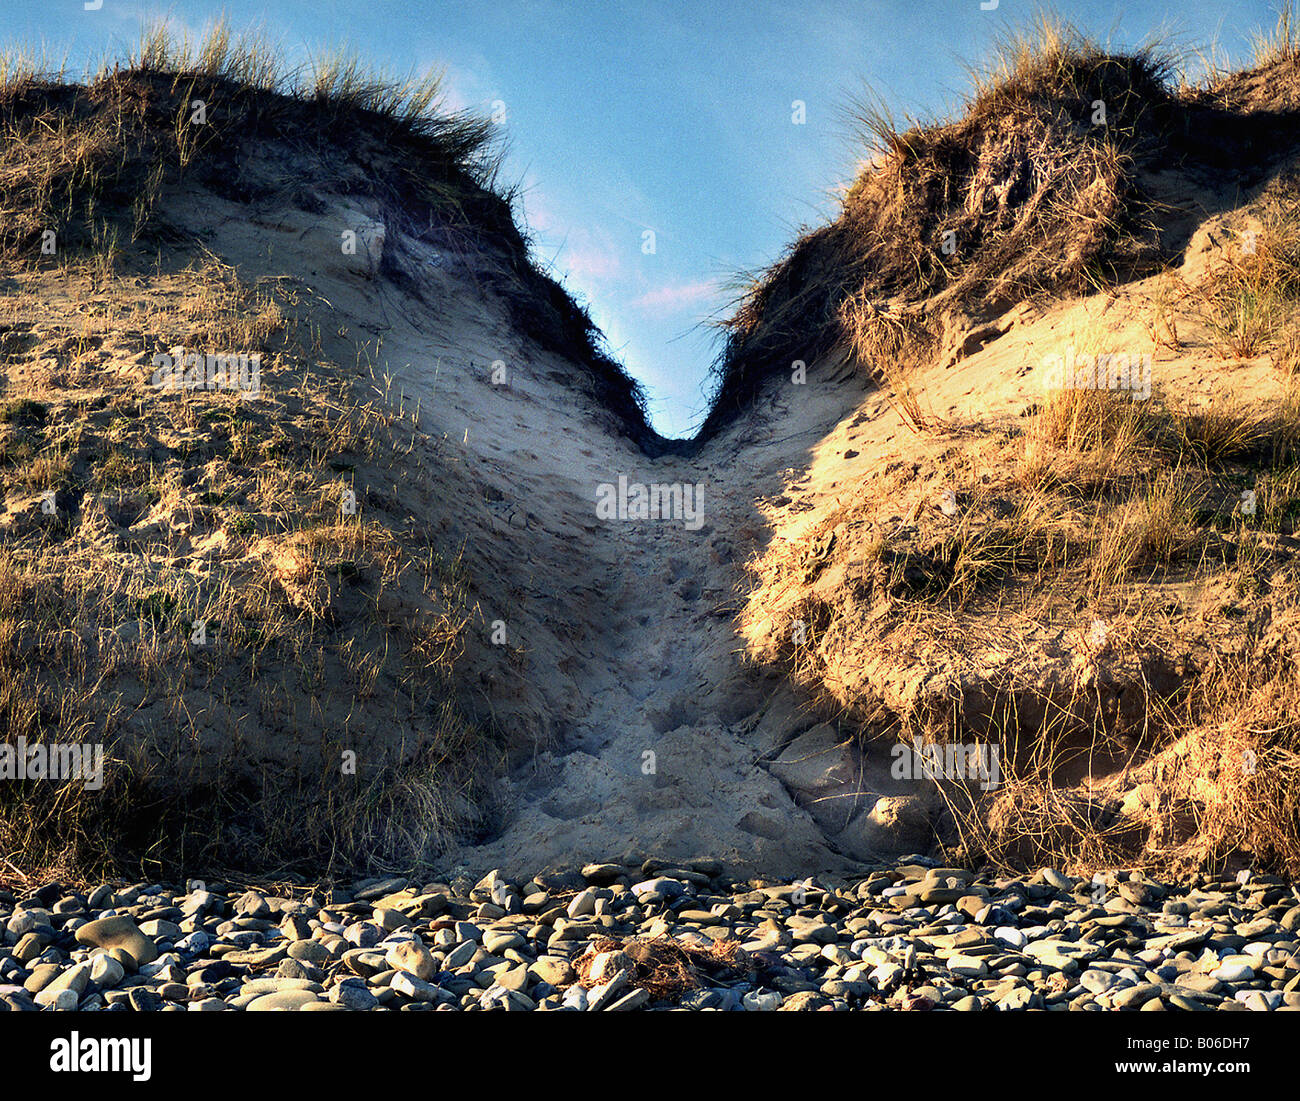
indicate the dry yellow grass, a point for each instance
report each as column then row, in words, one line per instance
column 201, row 599
column 1102, row 508
column 1166, row 519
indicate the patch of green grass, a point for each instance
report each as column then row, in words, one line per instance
column 19, row 451
column 346, row 571
column 23, row 409
column 158, row 606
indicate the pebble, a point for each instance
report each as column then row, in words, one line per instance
column 63, row 1000
column 413, row 957
column 105, row 971
column 635, row 1000
column 583, row 903
column 461, row 955
column 497, row 942
column 762, row 1002
column 575, row 998
column 1234, row 972
column 144, row 1001
column 554, row 970
column 313, row 952
column 122, row 932
column 282, row 1000
column 196, row 942
column 604, row 994
column 353, row 994
column 413, row 987
column 363, row 934
column 1013, row 937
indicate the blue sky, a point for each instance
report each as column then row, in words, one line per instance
column 671, row 116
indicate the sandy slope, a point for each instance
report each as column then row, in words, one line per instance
column 659, row 755
column 645, row 731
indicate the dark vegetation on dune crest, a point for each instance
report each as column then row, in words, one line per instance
column 89, row 161
column 1024, row 195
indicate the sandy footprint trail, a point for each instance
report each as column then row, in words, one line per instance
column 653, row 757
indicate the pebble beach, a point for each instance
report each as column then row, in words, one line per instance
column 910, row 936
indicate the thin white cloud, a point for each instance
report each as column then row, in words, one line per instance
column 465, row 89
column 590, row 255
column 674, row 297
